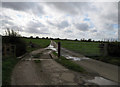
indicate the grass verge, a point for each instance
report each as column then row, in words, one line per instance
column 68, row 63
column 89, row 49
column 37, row 61
column 8, row 64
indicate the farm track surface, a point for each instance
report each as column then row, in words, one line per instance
column 47, row 72
column 105, row 70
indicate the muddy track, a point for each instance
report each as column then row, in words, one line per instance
column 105, row 70
column 47, row 72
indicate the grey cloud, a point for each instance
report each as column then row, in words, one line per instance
column 108, row 26
column 72, row 7
column 112, row 12
column 6, row 17
column 68, row 31
column 24, row 6
column 36, row 31
column 82, row 26
column 36, row 27
column 4, row 22
column 50, row 23
column 94, row 31
column 13, row 27
column 63, row 24
column 35, row 24
column 17, row 28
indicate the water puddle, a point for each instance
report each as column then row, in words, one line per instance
column 51, row 47
column 66, row 56
column 74, row 58
column 102, row 81
column 48, row 52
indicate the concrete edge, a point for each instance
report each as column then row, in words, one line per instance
column 53, row 56
column 20, row 57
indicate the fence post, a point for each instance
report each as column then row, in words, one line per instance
column 59, row 46
column 105, row 49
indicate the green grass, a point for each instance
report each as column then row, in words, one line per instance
column 89, row 49
column 69, row 64
column 41, row 43
column 37, row 61
column 85, row 48
column 8, row 64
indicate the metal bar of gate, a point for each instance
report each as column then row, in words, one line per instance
column 59, row 46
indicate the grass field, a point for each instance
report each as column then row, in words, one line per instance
column 85, row 48
column 89, row 49
column 8, row 65
column 69, row 64
column 41, row 43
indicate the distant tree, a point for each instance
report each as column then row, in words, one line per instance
column 65, row 39
column 43, row 37
column 51, row 38
column 76, row 40
column 46, row 37
column 37, row 37
column 11, row 33
column 89, row 40
column 31, row 37
column 57, row 38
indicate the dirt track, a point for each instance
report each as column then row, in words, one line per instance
column 47, row 72
column 105, row 70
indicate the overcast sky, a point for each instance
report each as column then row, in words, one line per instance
column 96, row 20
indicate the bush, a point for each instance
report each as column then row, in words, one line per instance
column 14, row 38
column 114, row 49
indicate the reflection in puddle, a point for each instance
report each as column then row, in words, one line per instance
column 102, row 81
column 67, row 56
column 51, row 47
column 48, row 52
column 74, row 58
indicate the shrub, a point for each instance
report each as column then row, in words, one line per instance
column 12, row 37
column 114, row 49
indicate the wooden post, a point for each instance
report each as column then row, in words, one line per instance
column 59, row 46
column 105, row 49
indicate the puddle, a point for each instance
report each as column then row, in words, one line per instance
column 48, row 52
column 74, row 58
column 102, row 81
column 51, row 47
column 67, row 56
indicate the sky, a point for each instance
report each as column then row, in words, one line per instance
column 71, row 20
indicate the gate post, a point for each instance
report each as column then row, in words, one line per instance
column 105, row 49
column 59, row 46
